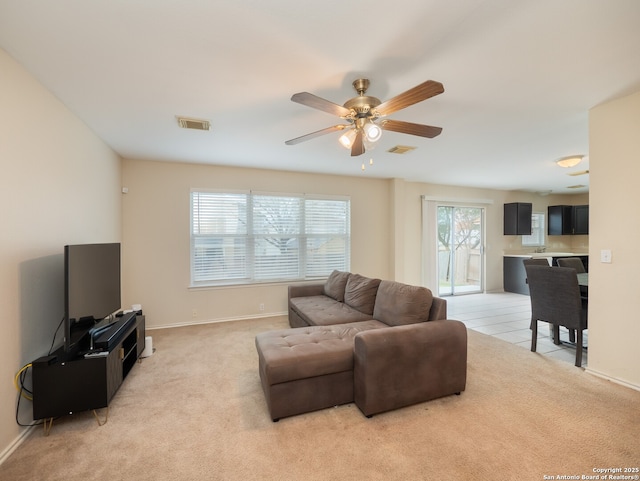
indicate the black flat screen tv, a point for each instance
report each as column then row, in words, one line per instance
column 91, row 289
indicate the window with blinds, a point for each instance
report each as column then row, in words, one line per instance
column 239, row 238
column 537, row 231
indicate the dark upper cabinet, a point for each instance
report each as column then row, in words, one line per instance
column 559, row 220
column 517, row 218
column 580, row 219
column 567, row 219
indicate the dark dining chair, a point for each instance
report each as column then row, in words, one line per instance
column 554, row 330
column 536, row 261
column 555, row 298
column 573, row 262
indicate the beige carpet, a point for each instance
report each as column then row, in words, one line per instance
column 195, row 411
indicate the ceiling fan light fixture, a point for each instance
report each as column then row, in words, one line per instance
column 368, row 145
column 346, row 139
column 570, row 161
column 372, row 132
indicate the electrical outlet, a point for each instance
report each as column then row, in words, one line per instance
column 261, row 307
column 194, row 313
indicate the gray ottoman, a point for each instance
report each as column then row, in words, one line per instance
column 308, row 368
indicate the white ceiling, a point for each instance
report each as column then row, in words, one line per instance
column 519, row 76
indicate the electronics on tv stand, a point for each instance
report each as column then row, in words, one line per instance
column 96, row 331
column 93, row 354
column 108, row 338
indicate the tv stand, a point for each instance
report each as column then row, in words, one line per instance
column 64, row 383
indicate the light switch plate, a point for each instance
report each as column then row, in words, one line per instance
column 605, row 256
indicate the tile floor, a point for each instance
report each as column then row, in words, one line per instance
column 507, row 316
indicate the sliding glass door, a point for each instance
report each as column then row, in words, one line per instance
column 460, row 249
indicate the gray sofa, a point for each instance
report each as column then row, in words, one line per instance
column 347, row 297
column 382, row 344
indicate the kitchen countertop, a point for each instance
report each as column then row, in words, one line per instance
column 548, row 254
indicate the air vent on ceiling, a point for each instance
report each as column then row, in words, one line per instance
column 401, row 149
column 576, row 186
column 195, row 124
column 582, row 172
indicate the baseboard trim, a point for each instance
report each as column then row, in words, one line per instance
column 216, row 321
column 595, row 373
column 22, row 437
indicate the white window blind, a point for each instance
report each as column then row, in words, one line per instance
column 537, row 231
column 246, row 238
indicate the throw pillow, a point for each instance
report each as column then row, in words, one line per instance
column 335, row 285
column 360, row 293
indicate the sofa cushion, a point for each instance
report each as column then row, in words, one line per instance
column 335, row 285
column 304, row 352
column 324, row 311
column 360, row 293
column 398, row 304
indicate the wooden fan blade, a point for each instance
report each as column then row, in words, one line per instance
column 317, row 133
column 425, row 90
column 310, row 100
column 411, row 128
column 358, row 144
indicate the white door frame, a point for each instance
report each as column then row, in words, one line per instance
column 429, row 236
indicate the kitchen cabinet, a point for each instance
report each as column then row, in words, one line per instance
column 514, row 275
column 559, row 220
column 517, row 218
column 580, row 219
column 568, row 220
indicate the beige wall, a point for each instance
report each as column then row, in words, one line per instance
column 59, row 185
column 386, row 234
column 156, row 237
column 614, row 322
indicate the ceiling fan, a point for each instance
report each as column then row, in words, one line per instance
column 365, row 115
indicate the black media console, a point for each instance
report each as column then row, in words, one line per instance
column 64, row 383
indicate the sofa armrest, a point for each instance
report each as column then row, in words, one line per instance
column 438, row 309
column 305, row 290
column 403, row 365
column 296, row 319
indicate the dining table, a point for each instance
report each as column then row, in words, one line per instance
column 583, row 282
column 583, row 279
